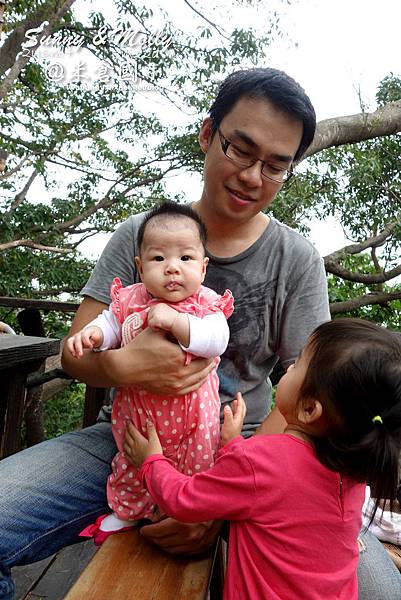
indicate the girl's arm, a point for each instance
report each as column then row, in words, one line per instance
column 225, row 491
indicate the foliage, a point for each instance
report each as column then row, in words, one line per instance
column 360, row 185
column 64, row 412
column 97, row 149
column 86, row 152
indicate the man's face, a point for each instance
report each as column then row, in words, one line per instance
column 261, row 131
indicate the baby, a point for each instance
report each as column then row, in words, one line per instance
column 172, row 264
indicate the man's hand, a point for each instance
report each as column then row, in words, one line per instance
column 137, row 448
column 182, row 538
column 157, row 365
column 233, row 419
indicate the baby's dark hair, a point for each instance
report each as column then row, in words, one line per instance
column 355, row 372
column 171, row 210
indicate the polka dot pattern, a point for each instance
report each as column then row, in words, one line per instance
column 188, row 426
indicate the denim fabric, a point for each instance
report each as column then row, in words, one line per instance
column 378, row 577
column 48, row 494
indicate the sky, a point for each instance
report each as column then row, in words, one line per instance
column 338, row 50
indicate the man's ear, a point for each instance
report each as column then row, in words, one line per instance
column 205, row 134
column 138, row 264
column 309, row 411
column 205, row 263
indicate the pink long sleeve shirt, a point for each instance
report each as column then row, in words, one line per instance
column 294, row 523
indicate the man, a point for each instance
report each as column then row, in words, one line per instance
column 259, row 124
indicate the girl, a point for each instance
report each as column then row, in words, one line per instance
column 171, row 299
column 294, row 500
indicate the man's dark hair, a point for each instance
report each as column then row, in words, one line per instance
column 268, row 84
column 172, row 210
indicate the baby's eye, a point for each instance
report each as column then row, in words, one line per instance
column 185, row 257
column 158, row 258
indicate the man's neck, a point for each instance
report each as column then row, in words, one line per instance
column 227, row 238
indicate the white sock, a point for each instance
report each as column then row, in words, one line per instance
column 113, row 523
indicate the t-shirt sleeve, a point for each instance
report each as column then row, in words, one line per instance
column 207, row 495
column 306, row 306
column 116, row 260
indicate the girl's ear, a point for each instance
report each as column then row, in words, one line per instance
column 138, row 264
column 205, row 134
column 309, row 411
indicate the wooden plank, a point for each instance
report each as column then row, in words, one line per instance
column 59, row 572
column 40, row 304
column 27, row 576
column 127, row 567
column 12, row 412
column 19, row 349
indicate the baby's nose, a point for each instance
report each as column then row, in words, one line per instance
column 173, row 266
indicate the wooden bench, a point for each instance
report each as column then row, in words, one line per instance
column 127, row 567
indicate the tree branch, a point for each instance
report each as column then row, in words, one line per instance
column 23, row 59
column 350, row 129
column 27, row 243
column 372, row 242
column 367, row 300
column 20, row 197
column 366, row 278
column 14, row 170
column 216, row 27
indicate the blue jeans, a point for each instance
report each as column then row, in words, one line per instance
column 50, row 492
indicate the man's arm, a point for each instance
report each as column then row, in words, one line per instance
column 150, row 361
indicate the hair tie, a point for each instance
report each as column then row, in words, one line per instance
column 377, row 419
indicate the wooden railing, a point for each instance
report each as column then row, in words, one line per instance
column 22, row 365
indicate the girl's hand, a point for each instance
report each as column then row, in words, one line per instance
column 162, row 316
column 89, row 337
column 233, row 419
column 137, row 448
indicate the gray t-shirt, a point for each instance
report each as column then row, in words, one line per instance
column 280, row 293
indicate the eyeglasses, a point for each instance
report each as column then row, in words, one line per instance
column 242, row 158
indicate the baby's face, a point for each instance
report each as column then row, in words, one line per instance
column 172, row 264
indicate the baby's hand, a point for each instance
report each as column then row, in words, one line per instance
column 233, row 419
column 137, row 448
column 89, row 337
column 162, row 316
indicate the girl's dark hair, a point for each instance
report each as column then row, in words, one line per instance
column 172, row 210
column 355, row 372
column 269, row 84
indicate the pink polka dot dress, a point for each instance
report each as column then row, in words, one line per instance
column 188, row 426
